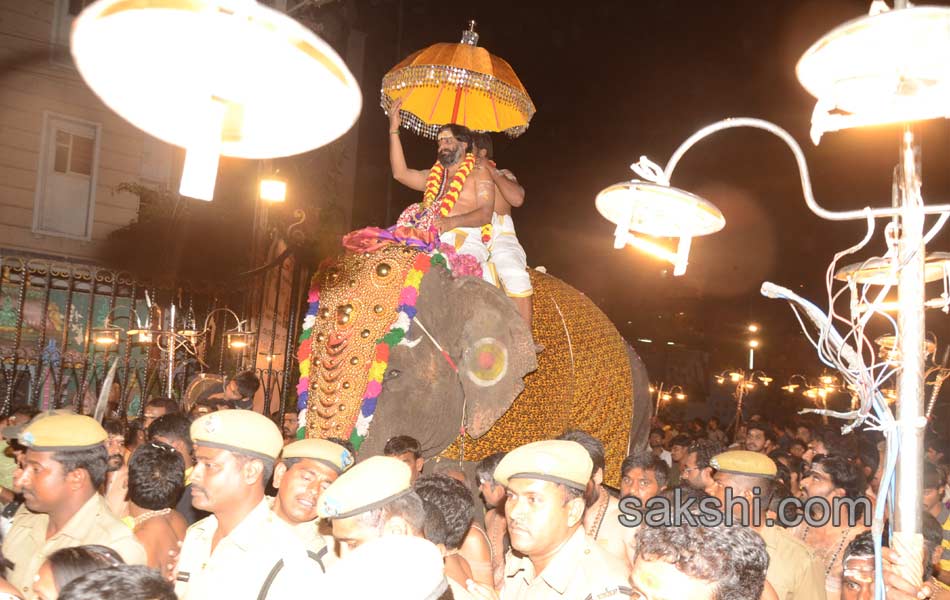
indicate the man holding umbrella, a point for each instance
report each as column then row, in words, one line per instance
column 458, row 191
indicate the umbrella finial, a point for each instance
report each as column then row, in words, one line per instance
column 469, row 36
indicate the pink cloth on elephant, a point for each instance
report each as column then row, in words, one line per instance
column 408, row 296
column 370, row 239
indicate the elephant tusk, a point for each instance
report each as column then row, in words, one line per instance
column 410, row 343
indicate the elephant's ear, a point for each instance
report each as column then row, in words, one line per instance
column 496, row 353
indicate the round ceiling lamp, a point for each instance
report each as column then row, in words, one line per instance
column 658, row 210
column 881, row 271
column 883, row 68
column 216, row 77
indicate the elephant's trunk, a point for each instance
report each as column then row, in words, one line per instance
column 359, row 296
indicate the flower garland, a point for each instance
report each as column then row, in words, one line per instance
column 303, row 356
column 377, row 370
column 486, row 233
column 451, row 195
column 406, row 311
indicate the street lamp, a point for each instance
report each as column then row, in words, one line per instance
column 818, row 390
column 674, row 392
column 753, row 344
column 168, row 338
column 273, row 189
column 745, row 383
column 889, row 67
column 216, row 77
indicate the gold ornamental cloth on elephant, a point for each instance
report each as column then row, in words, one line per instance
column 359, row 297
column 589, row 386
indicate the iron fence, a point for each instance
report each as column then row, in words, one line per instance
column 50, row 311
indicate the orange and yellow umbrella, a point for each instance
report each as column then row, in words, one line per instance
column 458, row 83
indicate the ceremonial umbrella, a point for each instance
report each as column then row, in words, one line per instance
column 458, row 83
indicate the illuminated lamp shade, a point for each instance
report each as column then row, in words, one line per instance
column 889, row 350
column 140, row 336
column 238, row 340
column 106, row 336
column 885, row 68
column 882, row 271
column 658, row 210
column 273, row 189
column 216, row 77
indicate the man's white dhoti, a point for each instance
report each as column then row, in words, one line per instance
column 507, row 258
column 468, row 240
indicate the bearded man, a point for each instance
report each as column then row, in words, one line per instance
column 458, row 191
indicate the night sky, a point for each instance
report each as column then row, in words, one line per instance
column 613, row 80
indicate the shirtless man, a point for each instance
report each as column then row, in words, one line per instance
column 156, row 480
column 473, row 207
column 507, row 260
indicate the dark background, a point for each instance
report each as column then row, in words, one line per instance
column 616, row 79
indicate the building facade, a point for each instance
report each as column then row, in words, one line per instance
column 62, row 151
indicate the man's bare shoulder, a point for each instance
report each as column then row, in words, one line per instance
column 508, row 174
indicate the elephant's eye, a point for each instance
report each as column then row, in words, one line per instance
column 393, row 373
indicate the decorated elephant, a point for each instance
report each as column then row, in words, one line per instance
column 395, row 343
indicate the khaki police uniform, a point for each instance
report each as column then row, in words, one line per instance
column 26, row 546
column 337, row 459
column 402, row 567
column 580, row 569
column 262, row 553
column 261, row 557
column 794, row 572
column 308, row 533
column 373, row 483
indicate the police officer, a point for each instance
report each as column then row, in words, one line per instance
column 243, row 550
column 546, row 483
column 65, row 464
column 306, row 469
column 372, row 499
column 794, row 573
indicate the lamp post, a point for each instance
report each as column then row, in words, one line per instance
column 753, row 344
column 889, row 67
column 169, row 339
column 817, row 390
column 673, row 392
column 745, row 381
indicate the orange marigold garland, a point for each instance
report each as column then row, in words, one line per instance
column 451, row 195
column 421, row 215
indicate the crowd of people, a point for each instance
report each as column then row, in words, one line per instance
column 221, row 505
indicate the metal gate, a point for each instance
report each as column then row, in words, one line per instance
column 53, row 352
